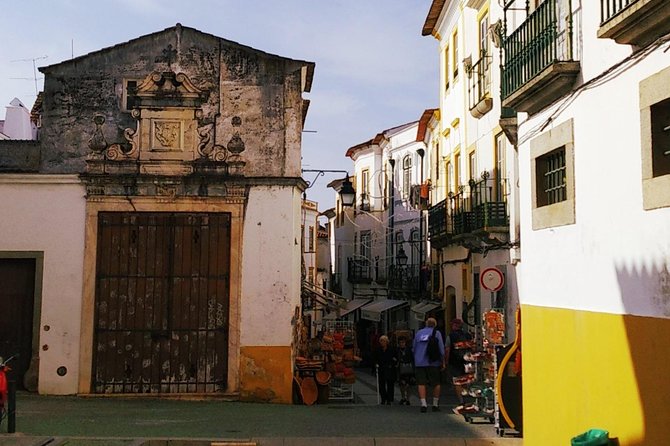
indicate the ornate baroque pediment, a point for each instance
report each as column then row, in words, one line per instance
column 170, row 137
column 168, row 89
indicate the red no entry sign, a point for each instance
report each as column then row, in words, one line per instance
column 492, row 279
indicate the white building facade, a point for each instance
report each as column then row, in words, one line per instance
column 383, row 234
column 472, row 221
column 593, row 105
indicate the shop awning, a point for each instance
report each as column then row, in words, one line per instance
column 353, row 305
column 425, row 307
column 348, row 307
column 422, row 308
column 374, row 310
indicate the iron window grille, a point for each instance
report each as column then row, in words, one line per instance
column 551, row 178
column 660, row 138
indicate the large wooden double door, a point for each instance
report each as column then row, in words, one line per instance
column 162, row 302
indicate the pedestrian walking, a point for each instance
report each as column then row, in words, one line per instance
column 428, row 362
column 386, row 360
column 455, row 357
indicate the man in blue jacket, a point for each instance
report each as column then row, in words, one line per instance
column 427, row 372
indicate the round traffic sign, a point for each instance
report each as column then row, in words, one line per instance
column 492, row 279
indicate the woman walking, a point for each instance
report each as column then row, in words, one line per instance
column 386, row 361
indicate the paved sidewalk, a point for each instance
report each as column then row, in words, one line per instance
column 115, row 421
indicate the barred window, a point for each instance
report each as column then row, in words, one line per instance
column 551, row 182
column 660, row 138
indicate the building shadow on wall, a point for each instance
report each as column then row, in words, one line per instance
column 645, row 289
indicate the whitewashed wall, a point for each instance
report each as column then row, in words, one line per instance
column 616, row 257
column 46, row 213
column 270, row 265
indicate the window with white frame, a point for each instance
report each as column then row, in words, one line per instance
column 472, row 165
column 406, row 176
column 399, row 242
column 447, row 73
column 501, row 166
column 365, row 246
column 456, row 61
column 450, row 176
column 457, row 171
column 485, row 55
column 416, row 249
column 483, row 35
column 365, row 196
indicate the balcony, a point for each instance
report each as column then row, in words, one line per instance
column 403, row 278
column 358, row 270
column 439, row 226
column 634, row 22
column 479, row 86
column 479, row 208
column 380, row 271
column 538, row 65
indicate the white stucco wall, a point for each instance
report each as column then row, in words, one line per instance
column 270, row 265
column 46, row 213
column 616, row 257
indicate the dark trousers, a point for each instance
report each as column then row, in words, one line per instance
column 386, row 386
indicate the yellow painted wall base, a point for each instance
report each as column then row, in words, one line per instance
column 584, row 370
column 266, row 374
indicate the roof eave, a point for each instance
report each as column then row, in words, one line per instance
column 433, row 16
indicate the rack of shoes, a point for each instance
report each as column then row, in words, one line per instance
column 477, row 383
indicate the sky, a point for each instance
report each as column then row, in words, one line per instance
column 374, row 70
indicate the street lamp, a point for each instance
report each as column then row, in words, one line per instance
column 401, row 257
column 347, row 191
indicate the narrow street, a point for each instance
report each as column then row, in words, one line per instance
column 115, row 420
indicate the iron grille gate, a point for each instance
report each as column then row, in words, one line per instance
column 162, row 300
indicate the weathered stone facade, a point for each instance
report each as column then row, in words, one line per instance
column 177, row 121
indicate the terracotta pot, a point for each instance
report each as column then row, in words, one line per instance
column 309, row 391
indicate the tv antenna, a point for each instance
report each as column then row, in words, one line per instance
column 34, row 78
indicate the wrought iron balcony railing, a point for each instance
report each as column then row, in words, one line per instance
column 488, row 203
column 358, row 270
column 544, row 38
column 479, row 206
column 634, row 22
column 611, row 8
column 438, row 223
column 403, row 277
